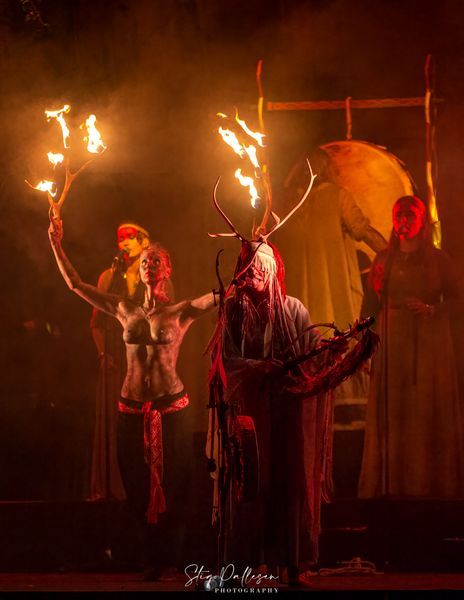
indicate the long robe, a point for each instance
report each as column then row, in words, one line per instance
column 281, row 525
column 414, row 430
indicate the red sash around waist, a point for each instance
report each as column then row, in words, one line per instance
column 153, row 442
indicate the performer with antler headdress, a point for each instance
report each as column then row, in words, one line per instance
column 263, row 384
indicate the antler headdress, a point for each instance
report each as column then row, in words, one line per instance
column 259, row 234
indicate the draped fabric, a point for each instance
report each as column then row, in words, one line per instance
column 326, row 274
column 281, row 525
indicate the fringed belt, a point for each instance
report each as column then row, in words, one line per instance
column 153, row 442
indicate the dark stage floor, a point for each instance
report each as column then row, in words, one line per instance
column 128, row 582
column 415, row 545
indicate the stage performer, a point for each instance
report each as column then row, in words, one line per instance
column 153, row 400
column 414, row 430
column 121, row 278
column 260, row 332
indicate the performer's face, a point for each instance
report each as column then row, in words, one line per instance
column 256, row 279
column 153, row 267
column 408, row 220
column 128, row 241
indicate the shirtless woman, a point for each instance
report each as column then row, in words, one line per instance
column 152, row 393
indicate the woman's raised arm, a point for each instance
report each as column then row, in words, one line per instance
column 108, row 303
column 193, row 309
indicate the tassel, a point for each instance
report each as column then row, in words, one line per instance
column 157, row 503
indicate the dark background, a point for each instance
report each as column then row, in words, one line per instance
column 155, row 72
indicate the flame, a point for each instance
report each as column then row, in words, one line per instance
column 231, row 139
column 46, row 186
column 58, row 115
column 238, row 147
column 248, row 182
column 251, row 151
column 253, row 134
column 94, row 141
column 244, row 150
column 55, row 159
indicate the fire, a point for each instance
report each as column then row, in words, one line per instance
column 253, row 134
column 46, row 186
column 94, row 141
column 58, row 115
column 231, row 139
column 55, row 159
column 244, row 150
column 251, row 151
column 250, row 184
column 95, row 145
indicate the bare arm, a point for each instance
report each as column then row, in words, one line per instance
column 193, row 309
column 106, row 302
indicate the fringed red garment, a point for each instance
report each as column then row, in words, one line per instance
column 153, row 449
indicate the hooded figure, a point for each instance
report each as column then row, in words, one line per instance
column 278, row 523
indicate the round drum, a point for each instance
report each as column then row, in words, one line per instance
column 374, row 176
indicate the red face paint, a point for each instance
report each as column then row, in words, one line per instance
column 128, row 241
column 408, row 219
column 126, row 233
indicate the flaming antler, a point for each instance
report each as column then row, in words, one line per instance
column 258, row 236
column 261, row 172
column 95, row 145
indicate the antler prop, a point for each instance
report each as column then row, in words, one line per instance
column 262, row 237
column 95, row 146
column 225, row 217
column 279, row 222
column 69, row 178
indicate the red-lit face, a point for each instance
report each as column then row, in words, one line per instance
column 153, row 267
column 128, row 241
column 408, row 220
column 256, row 279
